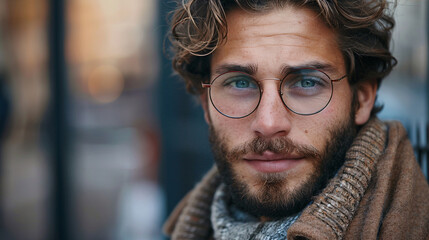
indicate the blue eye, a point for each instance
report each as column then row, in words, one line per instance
column 240, row 82
column 307, row 82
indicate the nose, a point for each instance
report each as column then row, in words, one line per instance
column 271, row 118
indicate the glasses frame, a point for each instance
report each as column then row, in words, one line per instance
column 209, row 85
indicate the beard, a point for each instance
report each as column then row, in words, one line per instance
column 271, row 198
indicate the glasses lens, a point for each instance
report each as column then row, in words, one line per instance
column 235, row 94
column 306, row 91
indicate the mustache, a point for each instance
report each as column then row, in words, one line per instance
column 280, row 145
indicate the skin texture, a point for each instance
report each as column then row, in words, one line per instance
column 271, row 42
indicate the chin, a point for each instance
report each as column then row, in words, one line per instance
column 272, row 195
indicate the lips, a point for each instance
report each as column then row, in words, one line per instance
column 270, row 162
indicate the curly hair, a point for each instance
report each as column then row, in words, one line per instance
column 364, row 29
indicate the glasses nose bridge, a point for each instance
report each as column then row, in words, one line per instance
column 269, row 79
column 277, row 88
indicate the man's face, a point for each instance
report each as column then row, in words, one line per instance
column 274, row 160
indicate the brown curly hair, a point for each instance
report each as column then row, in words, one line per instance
column 364, row 29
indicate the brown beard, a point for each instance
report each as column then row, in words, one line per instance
column 272, row 200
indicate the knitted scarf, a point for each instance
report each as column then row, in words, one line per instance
column 229, row 222
column 379, row 192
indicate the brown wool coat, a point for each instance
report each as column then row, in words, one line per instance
column 379, row 193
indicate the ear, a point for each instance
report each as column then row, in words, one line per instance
column 366, row 93
column 205, row 104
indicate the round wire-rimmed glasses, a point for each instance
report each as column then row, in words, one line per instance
column 304, row 91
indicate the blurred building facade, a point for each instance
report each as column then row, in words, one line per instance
column 112, row 64
column 24, row 169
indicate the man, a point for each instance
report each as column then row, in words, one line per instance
column 288, row 89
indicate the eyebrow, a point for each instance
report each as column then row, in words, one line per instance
column 252, row 69
column 325, row 67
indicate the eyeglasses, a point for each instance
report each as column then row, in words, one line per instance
column 236, row 94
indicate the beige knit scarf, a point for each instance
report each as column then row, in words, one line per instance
column 333, row 209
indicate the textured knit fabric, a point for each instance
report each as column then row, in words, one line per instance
column 379, row 193
column 229, row 222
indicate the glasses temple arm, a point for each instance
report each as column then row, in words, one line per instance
column 339, row 79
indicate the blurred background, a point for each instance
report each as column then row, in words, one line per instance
column 98, row 139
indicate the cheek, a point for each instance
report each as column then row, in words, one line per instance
column 315, row 136
column 338, row 109
column 232, row 130
column 331, row 109
column 315, row 130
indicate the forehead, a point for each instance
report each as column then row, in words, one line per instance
column 286, row 36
